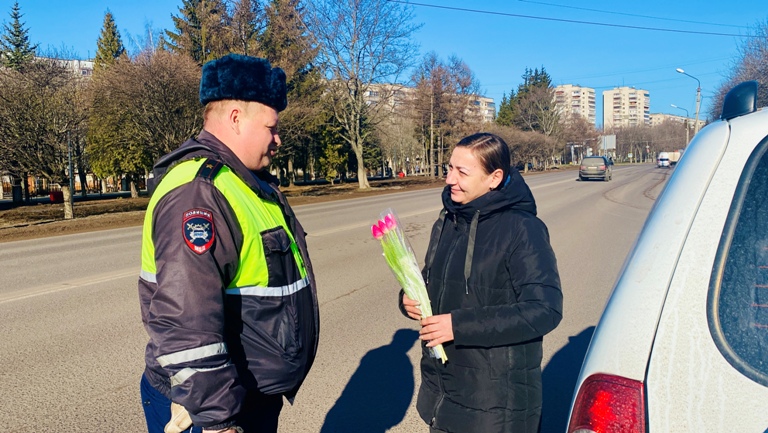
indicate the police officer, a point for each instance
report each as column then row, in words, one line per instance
column 227, row 291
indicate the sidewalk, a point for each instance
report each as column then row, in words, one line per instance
column 6, row 204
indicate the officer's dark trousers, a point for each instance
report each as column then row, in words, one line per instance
column 258, row 415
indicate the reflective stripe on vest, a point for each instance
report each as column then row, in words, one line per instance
column 254, row 215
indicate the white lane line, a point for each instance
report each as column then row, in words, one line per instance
column 316, row 234
column 67, row 285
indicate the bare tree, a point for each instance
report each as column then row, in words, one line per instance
column 361, row 42
column 751, row 64
column 526, row 147
column 398, row 143
column 443, row 105
column 143, row 108
column 43, row 107
column 633, row 140
column 576, row 130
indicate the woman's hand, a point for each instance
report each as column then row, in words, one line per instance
column 436, row 329
column 411, row 307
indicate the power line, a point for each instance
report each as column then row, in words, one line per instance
column 572, row 21
column 640, row 71
column 633, row 15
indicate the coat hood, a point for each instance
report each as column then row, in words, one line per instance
column 515, row 195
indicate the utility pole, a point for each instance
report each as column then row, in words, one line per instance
column 71, row 176
column 431, row 132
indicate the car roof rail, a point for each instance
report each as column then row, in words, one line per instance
column 740, row 100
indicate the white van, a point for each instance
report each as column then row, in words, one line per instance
column 663, row 160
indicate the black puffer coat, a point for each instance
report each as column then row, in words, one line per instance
column 490, row 265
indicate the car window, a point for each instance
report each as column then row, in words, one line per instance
column 591, row 162
column 738, row 297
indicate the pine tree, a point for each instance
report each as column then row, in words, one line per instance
column 247, row 23
column 200, row 30
column 186, row 40
column 15, row 49
column 109, row 46
column 506, row 110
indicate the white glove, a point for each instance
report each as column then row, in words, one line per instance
column 180, row 419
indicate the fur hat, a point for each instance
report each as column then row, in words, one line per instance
column 245, row 78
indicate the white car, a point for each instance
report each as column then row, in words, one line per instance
column 682, row 345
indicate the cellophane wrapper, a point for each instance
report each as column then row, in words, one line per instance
column 402, row 261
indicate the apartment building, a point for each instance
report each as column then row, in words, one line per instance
column 572, row 100
column 626, row 107
column 659, row 118
column 485, row 108
column 396, row 96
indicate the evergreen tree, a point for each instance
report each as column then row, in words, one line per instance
column 186, row 40
column 109, row 46
column 285, row 43
column 201, row 30
column 247, row 24
column 506, row 110
column 534, row 106
column 15, row 49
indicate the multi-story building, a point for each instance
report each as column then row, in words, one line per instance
column 659, row 118
column 571, row 100
column 83, row 68
column 396, row 96
column 485, row 108
column 625, row 107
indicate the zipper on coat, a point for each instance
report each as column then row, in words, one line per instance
column 438, row 365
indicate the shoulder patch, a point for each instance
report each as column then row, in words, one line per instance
column 198, row 229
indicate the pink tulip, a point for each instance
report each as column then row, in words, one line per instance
column 376, row 232
column 382, row 226
column 390, row 222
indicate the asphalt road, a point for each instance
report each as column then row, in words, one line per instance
column 72, row 342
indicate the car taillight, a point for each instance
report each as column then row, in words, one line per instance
column 583, row 167
column 609, row 404
column 602, row 167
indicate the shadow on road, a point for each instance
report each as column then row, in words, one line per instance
column 379, row 392
column 559, row 380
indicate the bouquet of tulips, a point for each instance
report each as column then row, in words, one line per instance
column 402, row 262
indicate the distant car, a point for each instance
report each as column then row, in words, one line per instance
column 596, row 167
column 682, row 345
column 662, row 162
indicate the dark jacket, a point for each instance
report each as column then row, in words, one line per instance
column 490, row 265
column 185, row 308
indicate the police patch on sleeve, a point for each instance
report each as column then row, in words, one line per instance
column 198, row 230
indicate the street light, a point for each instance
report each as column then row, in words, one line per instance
column 687, row 116
column 698, row 99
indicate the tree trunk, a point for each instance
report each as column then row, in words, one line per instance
column 25, row 187
column 83, row 183
column 134, row 190
column 362, row 176
column 69, row 211
column 290, row 171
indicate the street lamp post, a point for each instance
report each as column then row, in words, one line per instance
column 698, row 99
column 687, row 116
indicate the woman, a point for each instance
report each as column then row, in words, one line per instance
column 495, row 292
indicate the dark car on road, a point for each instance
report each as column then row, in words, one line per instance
column 596, row 167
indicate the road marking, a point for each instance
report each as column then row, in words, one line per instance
column 315, row 234
column 67, row 285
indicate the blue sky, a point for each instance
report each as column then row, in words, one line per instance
column 499, row 47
